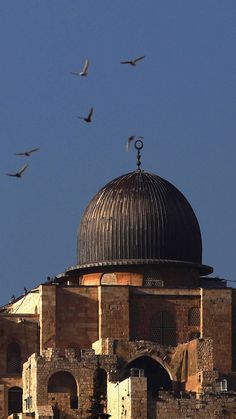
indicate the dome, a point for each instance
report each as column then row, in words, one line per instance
column 139, row 218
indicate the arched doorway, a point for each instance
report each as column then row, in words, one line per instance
column 62, row 383
column 14, row 400
column 157, row 378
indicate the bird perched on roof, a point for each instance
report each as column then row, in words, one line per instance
column 131, row 139
column 133, row 62
column 27, row 153
column 87, row 118
column 19, row 173
column 25, row 290
column 84, row 72
column 12, row 298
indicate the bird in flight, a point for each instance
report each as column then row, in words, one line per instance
column 87, row 118
column 27, row 153
column 84, row 72
column 133, row 62
column 131, row 139
column 19, row 173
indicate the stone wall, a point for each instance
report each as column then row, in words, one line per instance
column 20, row 330
column 43, row 367
column 146, row 302
column 189, row 364
column 216, row 406
column 77, row 317
column 128, row 399
column 6, row 384
column 216, row 323
column 39, row 369
column 118, row 399
column 47, row 311
column 113, row 312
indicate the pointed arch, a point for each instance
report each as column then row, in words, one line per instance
column 158, row 376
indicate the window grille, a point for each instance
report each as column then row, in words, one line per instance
column 153, row 280
column 13, row 358
column 194, row 316
column 224, row 385
column 163, row 329
column 137, row 372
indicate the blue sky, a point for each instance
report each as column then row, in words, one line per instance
column 181, row 98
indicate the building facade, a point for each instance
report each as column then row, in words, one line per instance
column 137, row 329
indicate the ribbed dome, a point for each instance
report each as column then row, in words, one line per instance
column 138, row 217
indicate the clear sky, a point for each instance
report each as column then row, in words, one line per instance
column 181, row 98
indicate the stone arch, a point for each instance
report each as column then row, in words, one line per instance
column 14, row 364
column 156, row 359
column 158, row 376
column 14, row 400
column 62, row 382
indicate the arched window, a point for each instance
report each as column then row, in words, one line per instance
column 194, row 316
column 14, row 400
column 163, row 329
column 64, row 382
column 13, row 358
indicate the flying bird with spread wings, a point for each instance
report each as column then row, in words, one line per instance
column 131, row 139
column 84, row 72
column 27, row 153
column 86, row 118
column 133, row 62
column 19, row 173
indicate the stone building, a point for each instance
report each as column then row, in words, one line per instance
column 136, row 328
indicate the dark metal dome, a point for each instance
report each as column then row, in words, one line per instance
column 138, row 218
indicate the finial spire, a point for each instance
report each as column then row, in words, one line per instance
column 138, row 145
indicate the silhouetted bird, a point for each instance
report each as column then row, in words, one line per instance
column 131, row 139
column 87, row 118
column 25, row 290
column 19, row 173
column 27, row 153
column 84, row 72
column 12, row 298
column 133, row 62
